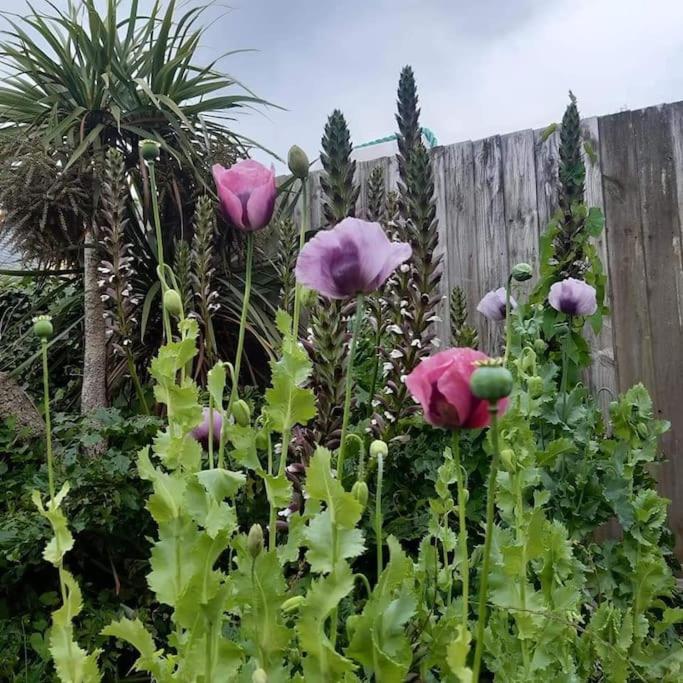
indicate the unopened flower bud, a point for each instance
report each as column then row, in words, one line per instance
column 292, row 604
column 535, row 386
column 255, row 540
column 377, row 448
column 360, row 492
column 261, row 441
column 259, row 676
column 149, row 149
column 172, row 302
column 42, row 326
column 491, row 382
column 507, row 455
column 241, row 413
column 307, row 296
column 540, row 346
column 522, row 272
column 642, row 430
column 298, row 162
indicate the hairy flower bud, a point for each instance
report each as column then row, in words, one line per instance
column 292, row 604
column 255, row 540
column 42, row 326
column 522, row 272
column 241, row 413
column 298, row 162
column 149, row 150
column 540, row 346
column 307, row 296
column 172, row 302
column 377, row 448
column 360, row 492
column 261, row 441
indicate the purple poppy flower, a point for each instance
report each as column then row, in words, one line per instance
column 247, row 193
column 354, row 257
column 201, row 431
column 574, row 297
column 492, row 305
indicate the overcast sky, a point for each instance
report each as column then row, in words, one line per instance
column 482, row 66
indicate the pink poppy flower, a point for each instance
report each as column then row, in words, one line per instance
column 201, row 431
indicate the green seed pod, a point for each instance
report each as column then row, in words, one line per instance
column 241, row 413
column 491, row 383
column 535, row 386
column 173, row 303
column 540, row 346
column 528, row 360
column 261, row 441
column 360, row 492
column 298, row 162
column 149, row 149
column 378, row 447
column 522, row 272
column 292, row 604
column 259, row 676
column 42, row 326
column 255, row 540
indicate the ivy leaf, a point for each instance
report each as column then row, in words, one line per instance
column 320, row 660
column 379, row 641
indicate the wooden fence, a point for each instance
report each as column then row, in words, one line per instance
column 494, row 199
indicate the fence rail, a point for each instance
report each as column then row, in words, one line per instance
column 494, row 198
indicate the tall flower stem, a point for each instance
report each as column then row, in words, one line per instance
column 484, row 581
column 243, row 319
column 375, row 369
column 349, row 385
column 272, row 517
column 210, row 445
column 519, row 522
column 305, row 221
column 508, row 322
column 462, row 521
column 564, row 378
column 48, row 422
column 161, row 266
column 378, row 513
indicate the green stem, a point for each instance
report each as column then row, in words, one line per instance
column 378, row 513
column 521, row 539
column 462, row 521
column 375, row 371
column 243, row 319
column 160, row 247
column 484, row 581
column 564, row 379
column 305, row 221
column 349, row 386
column 48, row 422
column 508, row 322
column 136, row 383
column 272, row 519
column 211, row 432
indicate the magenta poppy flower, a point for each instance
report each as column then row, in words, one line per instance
column 441, row 383
column 492, row 305
column 246, row 192
column 574, row 297
column 201, row 431
column 354, row 257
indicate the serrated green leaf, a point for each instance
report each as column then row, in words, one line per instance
column 319, row 538
column 456, row 655
column 215, row 383
column 278, row 489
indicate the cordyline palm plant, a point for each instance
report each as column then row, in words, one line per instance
column 77, row 82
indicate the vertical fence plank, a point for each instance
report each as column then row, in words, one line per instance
column 493, row 259
column 661, row 228
column 443, row 176
column 632, row 333
column 601, row 376
column 521, row 215
column 677, row 141
column 547, row 184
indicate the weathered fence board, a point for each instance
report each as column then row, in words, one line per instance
column 494, row 200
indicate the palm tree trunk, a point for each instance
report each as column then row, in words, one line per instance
column 94, row 390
